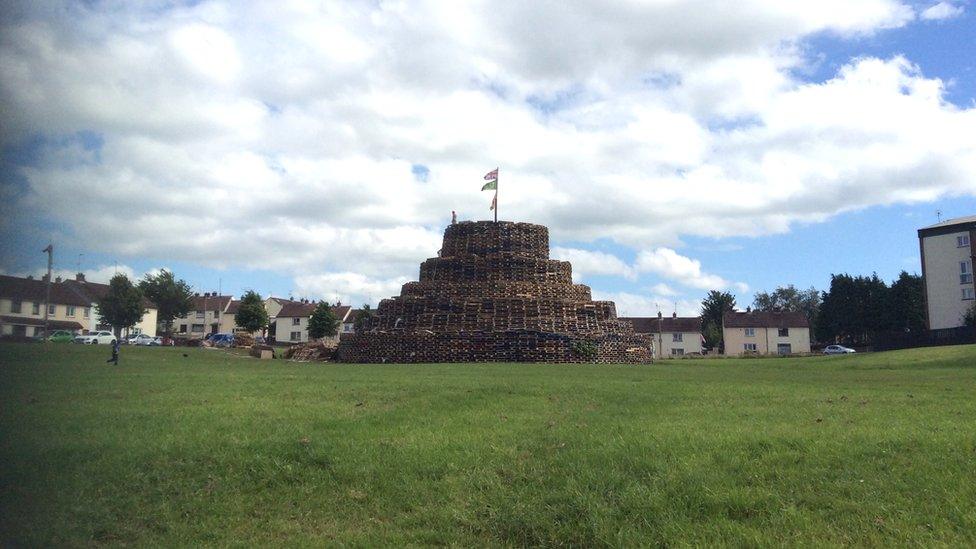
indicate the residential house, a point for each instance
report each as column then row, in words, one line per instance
column 291, row 322
column 765, row 332
column 204, row 317
column 672, row 336
column 948, row 252
column 72, row 306
column 94, row 292
column 349, row 324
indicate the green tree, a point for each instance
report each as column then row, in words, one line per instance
column 251, row 315
column 714, row 306
column 363, row 319
column 122, row 305
column 323, row 322
column 173, row 298
column 855, row 308
column 908, row 303
column 788, row 298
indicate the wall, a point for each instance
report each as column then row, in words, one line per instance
column 943, row 289
column 664, row 343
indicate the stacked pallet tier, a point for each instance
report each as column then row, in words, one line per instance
column 493, row 295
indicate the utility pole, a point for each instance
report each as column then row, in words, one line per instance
column 47, row 287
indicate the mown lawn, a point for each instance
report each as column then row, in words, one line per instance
column 210, row 448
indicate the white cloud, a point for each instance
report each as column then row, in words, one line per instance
column 282, row 137
column 942, row 10
column 348, row 288
column 586, row 262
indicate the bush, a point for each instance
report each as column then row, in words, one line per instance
column 585, row 349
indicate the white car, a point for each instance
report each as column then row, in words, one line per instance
column 94, row 338
column 837, row 350
column 143, row 339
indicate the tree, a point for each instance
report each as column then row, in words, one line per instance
column 122, row 305
column 251, row 315
column 323, row 322
column 173, row 298
column 363, row 319
column 790, row 299
column 714, row 306
column 907, row 297
column 854, row 309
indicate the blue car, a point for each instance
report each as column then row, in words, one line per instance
column 222, row 340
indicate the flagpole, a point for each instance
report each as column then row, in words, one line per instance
column 496, row 198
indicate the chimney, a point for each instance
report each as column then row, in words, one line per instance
column 46, row 277
column 659, row 315
column 749, row 309
column 30, row 277
column 57, row 280
column 80, row 277
column 674, row 314
column 197, row 294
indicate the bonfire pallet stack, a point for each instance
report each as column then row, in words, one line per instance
column 493, row 295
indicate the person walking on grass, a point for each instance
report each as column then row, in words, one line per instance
column 115, row 352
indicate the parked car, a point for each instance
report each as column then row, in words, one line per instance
column 837, row 350
column 56, row 336
column 103, row 337
column 222, row 340
column 141, row 339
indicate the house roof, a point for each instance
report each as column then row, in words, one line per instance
column 95, row 291
column 341, row 312
column 949, row 226
column 296, row 308
column 300, row 309
column 765, row 319
column 353, row 315
column 30, row 289
column 51, row 324
column 216, row 303
column 667, row 324
column 233, row 306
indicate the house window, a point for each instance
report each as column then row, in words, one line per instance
column 962, row 241
column 15, row 306
column 52, row 309
column 87, row 312
column 677, row 352
column 36, row 309
column 784, row 349
column 197, row 328
column 749, row 347
column 750, row 332
column 296, row 321
column 182, row 328
column 296, row 336
column 346, row 328
column 676, row 337
column 784, row 332
column 199, row 314
column 967, row 293
column 69, row 310
column 965, row 274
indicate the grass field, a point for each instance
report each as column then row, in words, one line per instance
column 213, row 448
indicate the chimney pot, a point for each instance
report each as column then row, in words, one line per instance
column 57, row 279
column 197, row 294
column 659, row 315
column 30, row 277
column 45, row 277
column 674, row 314
column 80, row 277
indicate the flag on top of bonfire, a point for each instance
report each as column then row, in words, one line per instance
column 492, row 181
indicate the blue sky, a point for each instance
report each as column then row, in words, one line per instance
column 336, row 181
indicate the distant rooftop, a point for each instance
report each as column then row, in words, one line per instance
column 949, row 226
column 954, row 221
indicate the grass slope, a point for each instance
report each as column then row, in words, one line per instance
column 216, row 449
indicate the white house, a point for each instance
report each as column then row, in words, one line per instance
column 672, row 336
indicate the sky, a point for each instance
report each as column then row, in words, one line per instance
column 317, row 149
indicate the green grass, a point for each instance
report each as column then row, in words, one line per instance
column 218, row 449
